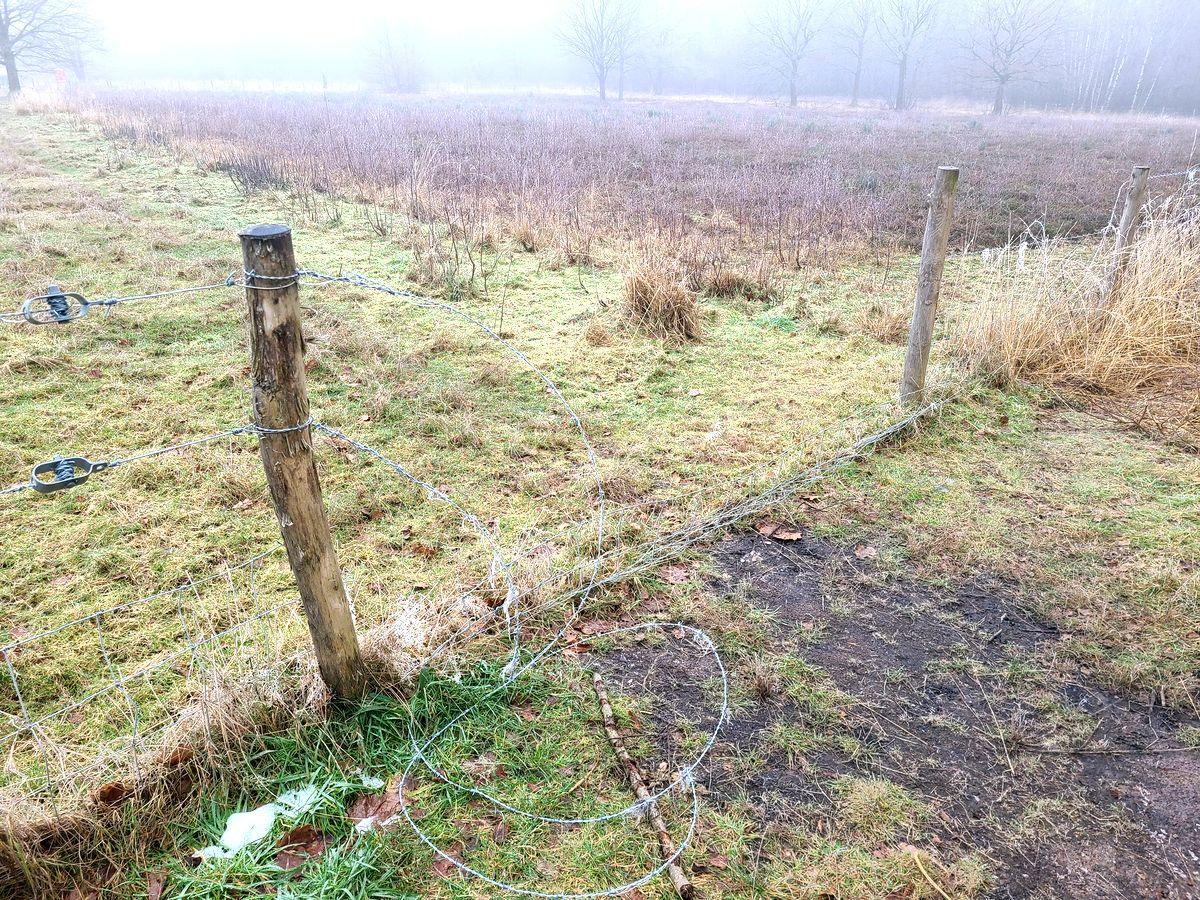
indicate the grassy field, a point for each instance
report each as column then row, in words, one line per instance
column 1094, row 526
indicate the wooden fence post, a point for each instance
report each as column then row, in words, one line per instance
column 1131, row 217
column 280, row 401
column 929, row 284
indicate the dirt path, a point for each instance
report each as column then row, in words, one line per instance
column 1070, row 790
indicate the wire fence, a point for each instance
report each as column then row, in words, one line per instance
column 83, row 704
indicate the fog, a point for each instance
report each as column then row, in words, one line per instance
column 1079, row 54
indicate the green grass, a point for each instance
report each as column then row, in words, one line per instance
column 1098, row 527
column 429, row 390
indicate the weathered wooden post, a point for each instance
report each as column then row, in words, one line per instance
column 1131, row 218
column 280, row 405
column 929, row 285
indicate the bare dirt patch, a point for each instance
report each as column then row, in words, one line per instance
column 959, row 696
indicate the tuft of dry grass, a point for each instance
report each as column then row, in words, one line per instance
column 660, row 304
column 885, row 322
column 1048, row 316
column 597, row 333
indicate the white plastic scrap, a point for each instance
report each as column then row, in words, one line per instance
column 245, row 828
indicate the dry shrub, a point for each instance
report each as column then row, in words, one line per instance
column 886, row 323
column 658, row 302
column 1053, row 320
column 760, row 284
column 597, row 333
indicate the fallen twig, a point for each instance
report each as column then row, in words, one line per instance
column 637, row 781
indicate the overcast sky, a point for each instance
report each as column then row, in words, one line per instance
column 306, row 39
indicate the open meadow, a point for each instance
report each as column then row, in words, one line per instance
column 624, row 353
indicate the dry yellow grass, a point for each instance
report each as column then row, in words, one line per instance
column 660, row 304
column 1046, row 315
column 887, row 323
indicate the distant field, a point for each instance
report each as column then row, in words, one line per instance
column 717, row 187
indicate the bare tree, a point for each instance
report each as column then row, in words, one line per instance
column 787, row 28
column 601, row 33
column 396, row 64
column 661, row 53
column 854, row 31
column 628, row 38
column 1009, row 41
column 901, row 27
column 41, row 34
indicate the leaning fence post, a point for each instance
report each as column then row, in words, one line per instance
column 929, row 284
column 1131, row 217
column 280, row 402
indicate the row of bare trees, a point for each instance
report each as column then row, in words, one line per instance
column 1083, row 54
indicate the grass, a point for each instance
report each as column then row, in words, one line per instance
column 1097, row 524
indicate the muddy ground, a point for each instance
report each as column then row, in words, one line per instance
column 1068, row 789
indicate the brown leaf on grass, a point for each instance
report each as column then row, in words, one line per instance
column 446, row 867
column 298, row 846
column 525, row 711
column 377, row 809
column 717, row 861
column 177, row 757
column 156, row 883
column 501, row 832
column 676, row 574
column 484, row 768
column 113, row 793
column 778, row 531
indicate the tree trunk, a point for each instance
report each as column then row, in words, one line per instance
column 621, row 81
column 601, row 83
column 10, row 59
column 10, row 70
column 901, row 78
column 998, row 102
column 793, row 90
column 858, row 61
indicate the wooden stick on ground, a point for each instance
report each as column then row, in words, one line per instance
column 667, row 846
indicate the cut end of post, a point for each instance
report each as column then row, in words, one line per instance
column 265, row 232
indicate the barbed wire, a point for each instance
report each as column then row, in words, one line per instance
column 668, row 546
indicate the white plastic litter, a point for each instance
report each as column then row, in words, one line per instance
column 298, row 802
column 245, row 828
column 241, row 830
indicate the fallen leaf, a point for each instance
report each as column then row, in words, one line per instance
column 501, row 832
column 484, row 768
column 178, row 757
column 156, row 882
column 112, row 793
column 676, row 574
column 713, row 863
column 864, row 551
column 779, row 532
column 446, row 867
column 298, row 846
column 375, row 810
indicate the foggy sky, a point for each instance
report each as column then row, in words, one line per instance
column 1107, row 54
column 302, row 40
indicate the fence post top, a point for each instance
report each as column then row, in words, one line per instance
column 265, row 232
